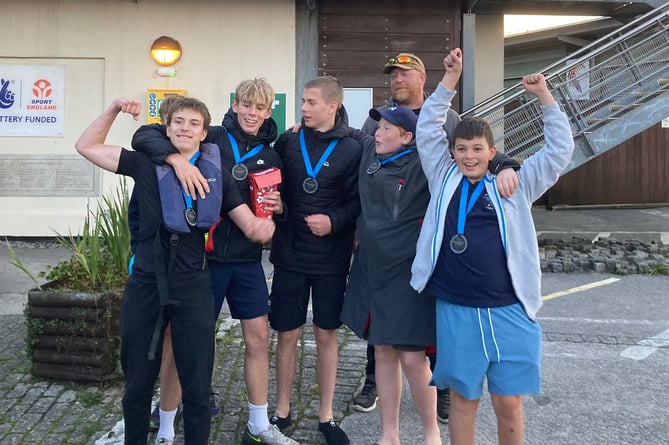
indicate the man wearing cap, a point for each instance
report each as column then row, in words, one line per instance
column 380, row 304
column 407, row 82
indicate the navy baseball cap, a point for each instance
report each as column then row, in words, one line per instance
column 398, row 115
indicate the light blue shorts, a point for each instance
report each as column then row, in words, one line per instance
column 501, row 343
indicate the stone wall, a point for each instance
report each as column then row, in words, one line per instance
column 603, row 256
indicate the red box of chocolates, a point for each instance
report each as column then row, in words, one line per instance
column 261, row 183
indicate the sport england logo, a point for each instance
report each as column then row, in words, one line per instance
column 6, row 95
column 42, row 89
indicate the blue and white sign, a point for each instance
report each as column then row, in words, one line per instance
column 32, row 99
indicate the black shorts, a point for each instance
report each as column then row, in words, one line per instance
column 290, row 299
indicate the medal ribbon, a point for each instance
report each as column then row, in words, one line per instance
column 235, row 150
column 396, row 156
column 187, row 198
column 466, row 206
column 313, row 172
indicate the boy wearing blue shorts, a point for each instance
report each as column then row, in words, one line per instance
column 477, row 254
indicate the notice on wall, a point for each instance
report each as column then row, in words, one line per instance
column 32, row 100
column 48, row 175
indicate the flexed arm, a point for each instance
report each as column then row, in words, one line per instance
column 91, row 143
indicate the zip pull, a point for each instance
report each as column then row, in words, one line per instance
column 400, row 184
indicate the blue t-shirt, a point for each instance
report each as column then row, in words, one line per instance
column 477, row 277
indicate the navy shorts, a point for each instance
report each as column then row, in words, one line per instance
column 290, row 299
column 499, row 344
column 245, row 287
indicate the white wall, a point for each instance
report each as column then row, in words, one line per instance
column 104, row 45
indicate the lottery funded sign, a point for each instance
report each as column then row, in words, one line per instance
column 32, row 100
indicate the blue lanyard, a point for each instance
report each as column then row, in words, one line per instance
column 466, row 207
column 187, row 198
column 235, row 150
column 313, row 172
column 396, row 156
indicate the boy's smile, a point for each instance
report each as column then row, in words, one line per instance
column 251, row 116
column 186, row 131
column 473, row 156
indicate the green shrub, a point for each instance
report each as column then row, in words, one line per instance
column 100, row 255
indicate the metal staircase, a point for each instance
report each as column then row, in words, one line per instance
column 611, row 90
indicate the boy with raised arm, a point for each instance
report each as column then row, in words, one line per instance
column 170, row 279
column 235, row 265
column 477, row 255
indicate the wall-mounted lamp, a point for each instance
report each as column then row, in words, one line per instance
column 166, row 51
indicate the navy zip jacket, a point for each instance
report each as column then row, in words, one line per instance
column 294, row 247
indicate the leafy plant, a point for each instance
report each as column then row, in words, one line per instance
column 86, row 290
column 16, row 261
column 100, row 255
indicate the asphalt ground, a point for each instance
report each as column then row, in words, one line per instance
column 605, row 356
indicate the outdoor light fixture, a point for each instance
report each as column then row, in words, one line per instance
column 166, row 51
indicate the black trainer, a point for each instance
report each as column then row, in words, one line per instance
column 334, row 435
column 281, row 422
column 443, row 404
column 365, row 400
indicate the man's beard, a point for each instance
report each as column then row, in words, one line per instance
column 402, row 96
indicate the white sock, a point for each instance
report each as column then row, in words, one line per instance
column 166, row 430
column 258, row 420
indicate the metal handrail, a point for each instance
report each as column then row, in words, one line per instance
column 595, row 86
column 574, row 59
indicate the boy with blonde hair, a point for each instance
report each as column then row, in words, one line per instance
column 235, row 261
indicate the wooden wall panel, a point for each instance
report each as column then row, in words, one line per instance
column 634, row 172
column 356, row 38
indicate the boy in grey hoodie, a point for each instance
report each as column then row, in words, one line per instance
column 477, row 255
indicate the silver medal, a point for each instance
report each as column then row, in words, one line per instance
column 191, row 217
column 310, row 185
column 458, row 243
column 373, row 168
column 240, row 172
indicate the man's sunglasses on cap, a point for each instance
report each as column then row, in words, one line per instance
column 400, row 59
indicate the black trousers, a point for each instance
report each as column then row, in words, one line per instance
column 190, row 311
